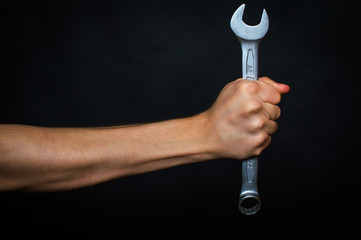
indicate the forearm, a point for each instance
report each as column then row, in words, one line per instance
column 36, row 158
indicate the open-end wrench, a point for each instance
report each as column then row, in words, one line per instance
column 249, row 37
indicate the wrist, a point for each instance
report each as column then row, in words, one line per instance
column 183, row 138
column 203, row 134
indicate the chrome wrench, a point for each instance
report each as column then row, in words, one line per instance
column 249, row 37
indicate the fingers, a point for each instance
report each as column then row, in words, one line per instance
column 271, row 91
column 268, row 90
column 272, row 111
column 262, row 140
column 264, row 145
column 258, row 124
column 282, row 88
column 271, row 127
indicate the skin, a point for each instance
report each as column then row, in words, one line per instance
column 238, row 125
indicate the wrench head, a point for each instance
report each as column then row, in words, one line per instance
column 247, row 32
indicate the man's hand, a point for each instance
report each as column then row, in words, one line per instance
column 240, row 123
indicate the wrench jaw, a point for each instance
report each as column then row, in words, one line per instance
column 247, row 32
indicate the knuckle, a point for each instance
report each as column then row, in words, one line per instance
column 261, row 138
column 252, row 106
column 257, row 123
column 265, row 78
column 247, row 86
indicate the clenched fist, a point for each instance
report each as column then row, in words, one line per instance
column 241, row 121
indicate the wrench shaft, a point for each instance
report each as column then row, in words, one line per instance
column 249, row 201
column 249, row 59
column 249, row 37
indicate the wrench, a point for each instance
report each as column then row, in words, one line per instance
column 249, row 37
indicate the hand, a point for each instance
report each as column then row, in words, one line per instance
column 240, row 123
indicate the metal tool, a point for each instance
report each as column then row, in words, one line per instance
column 249, row 37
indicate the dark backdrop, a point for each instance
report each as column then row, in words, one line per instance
column 101, row 63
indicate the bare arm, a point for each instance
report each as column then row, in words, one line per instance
column 238, row 125
column 36, row 158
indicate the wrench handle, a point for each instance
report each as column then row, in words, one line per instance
column 249, row 200
column 250, row 59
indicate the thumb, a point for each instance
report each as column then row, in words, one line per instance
column 281, row 87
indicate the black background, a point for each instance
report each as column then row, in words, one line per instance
column 101, row 63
